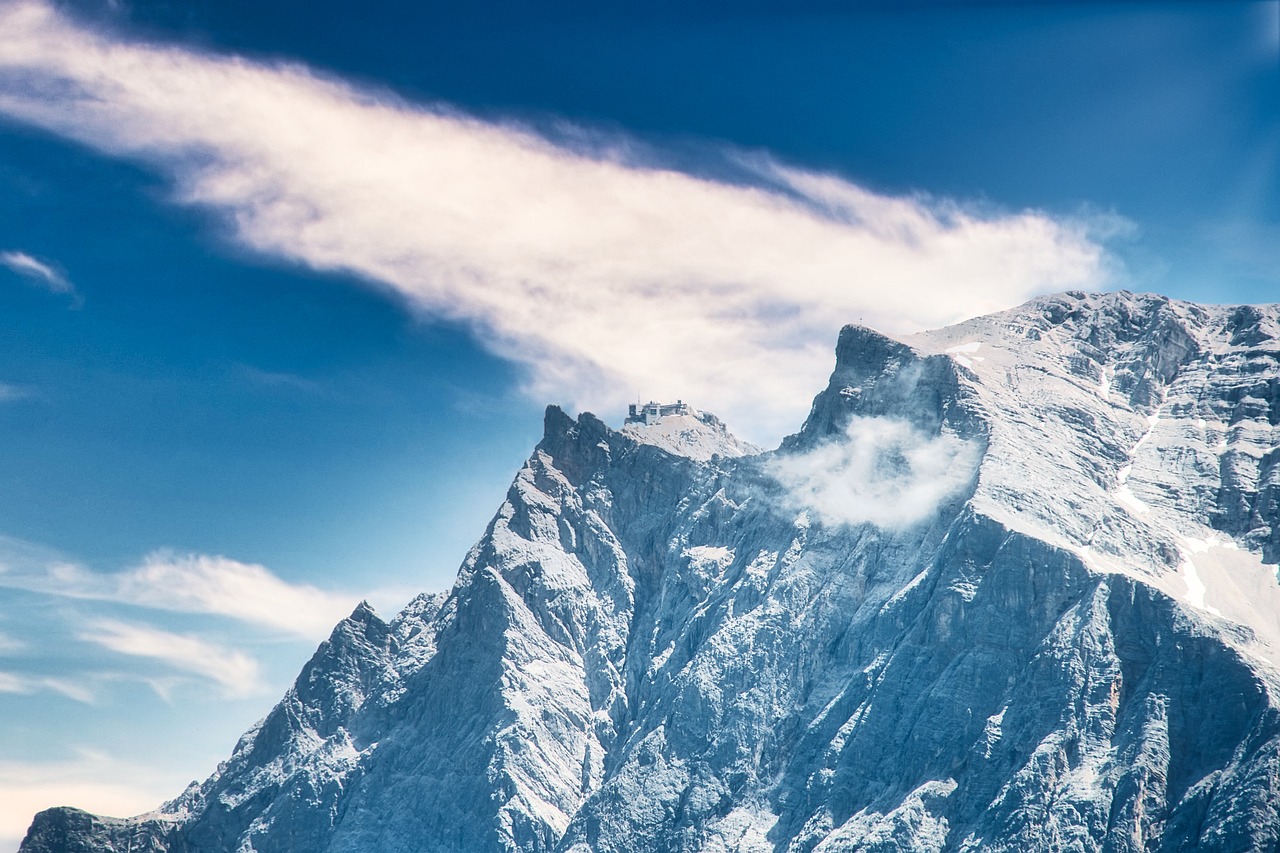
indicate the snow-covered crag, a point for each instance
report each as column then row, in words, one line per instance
column 693, row 434
column 1012, row 587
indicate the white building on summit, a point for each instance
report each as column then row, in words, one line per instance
column 682, row 430
column 651, row 411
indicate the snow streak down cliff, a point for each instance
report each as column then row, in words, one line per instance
column 1009, row 588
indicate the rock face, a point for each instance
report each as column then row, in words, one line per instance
column 1011, row 587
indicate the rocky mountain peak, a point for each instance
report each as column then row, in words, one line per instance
column 1012, row 587
column 688, row 432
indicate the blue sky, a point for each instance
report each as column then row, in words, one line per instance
column 284, row 287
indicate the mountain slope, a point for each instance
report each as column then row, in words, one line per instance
column 1011, row 587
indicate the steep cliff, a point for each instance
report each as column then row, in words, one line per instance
column 1010, row 587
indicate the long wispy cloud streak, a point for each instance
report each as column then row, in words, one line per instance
column 235, row 672
column 605, row 276
column 26, row 684
column 189, row 583
column 36, row 271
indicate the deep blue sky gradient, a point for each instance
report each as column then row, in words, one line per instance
column 194, row 397
column 205, row 400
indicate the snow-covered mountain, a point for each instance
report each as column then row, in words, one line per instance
column 691, row 433
column 1011, row 587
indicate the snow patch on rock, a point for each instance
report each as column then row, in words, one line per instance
column 697, row 436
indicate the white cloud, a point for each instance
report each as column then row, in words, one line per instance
column 189, row 583
column 88, row 686
column 36, row 271
column 885, row 472
column 78, row 646
column 605, row 276
column 92, row 780
column 198, row 583
column 28, row 684
column 235, row 672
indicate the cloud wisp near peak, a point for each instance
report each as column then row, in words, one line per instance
column 604, row 276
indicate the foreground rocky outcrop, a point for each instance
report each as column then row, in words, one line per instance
column 1011, row 587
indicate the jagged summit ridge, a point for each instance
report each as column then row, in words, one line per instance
column 1160, row 420
column 683, row 430
column 650, row 650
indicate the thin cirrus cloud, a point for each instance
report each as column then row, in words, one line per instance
column 235, row 672
column 87, row 686
column 9, row 391
column 36, row 271
column 251, row 593
column 28, row 684
column 190, row 583
column 604, row 275
column 90, row 604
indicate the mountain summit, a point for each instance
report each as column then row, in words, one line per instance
column 1011, row 587
column 682, row 430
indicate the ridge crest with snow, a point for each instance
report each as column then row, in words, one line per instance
column 1011, row 587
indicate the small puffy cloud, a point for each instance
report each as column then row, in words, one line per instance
column 192, row 583
column 884, row 472
column 36, row 271
column 584, row 259
column 235, row 672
